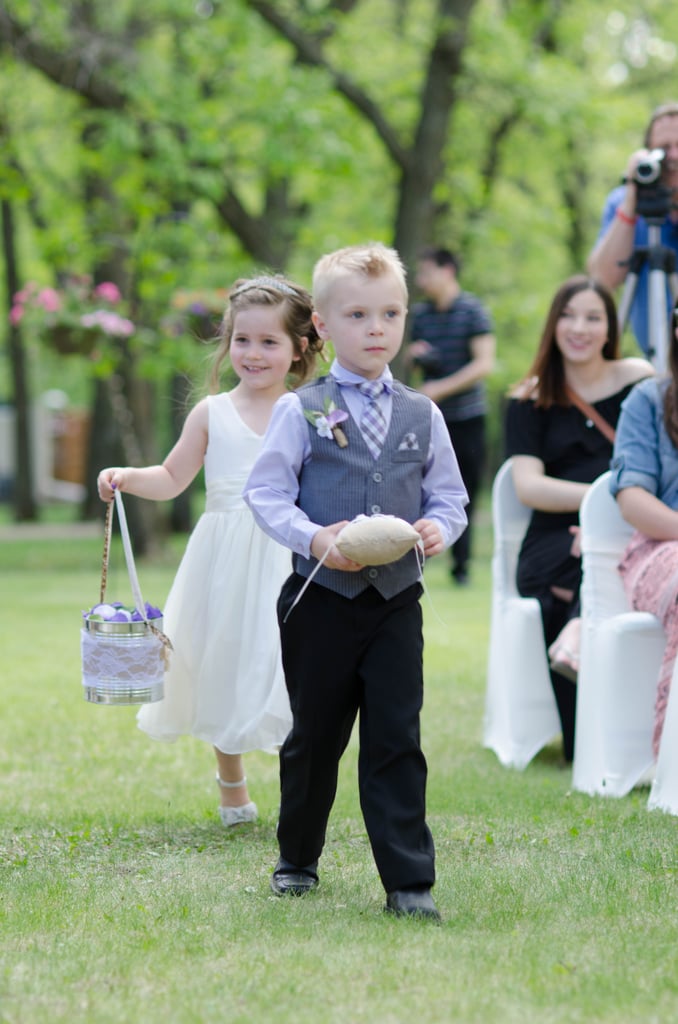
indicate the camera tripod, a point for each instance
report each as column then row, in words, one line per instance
column 662, row 275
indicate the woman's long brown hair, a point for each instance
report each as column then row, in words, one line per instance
column 547, row 367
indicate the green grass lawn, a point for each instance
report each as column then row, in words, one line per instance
column 123, row 899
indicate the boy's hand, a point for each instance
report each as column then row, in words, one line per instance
column 431, row 537
column 323, row 540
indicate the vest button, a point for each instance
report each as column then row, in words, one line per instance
column 374, row 509
column 377, row 477
column 373, row 573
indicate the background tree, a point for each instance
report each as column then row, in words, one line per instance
column 224, row 137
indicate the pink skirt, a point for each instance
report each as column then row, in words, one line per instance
column 649, row 572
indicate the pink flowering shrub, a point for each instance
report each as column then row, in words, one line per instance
column 76, row 306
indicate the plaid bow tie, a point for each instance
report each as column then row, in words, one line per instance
column 373, row 422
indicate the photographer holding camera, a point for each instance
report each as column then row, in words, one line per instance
column 648, row 195
column 453, row 346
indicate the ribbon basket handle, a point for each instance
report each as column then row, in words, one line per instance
column 129, row 560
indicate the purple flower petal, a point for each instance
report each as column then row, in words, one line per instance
column 336, row 417
column 105, row 611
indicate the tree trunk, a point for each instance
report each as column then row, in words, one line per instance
column 123, row 404
column 415, row 220
column 24, row 501
column 110, row 446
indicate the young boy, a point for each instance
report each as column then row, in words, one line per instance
column 354, row 641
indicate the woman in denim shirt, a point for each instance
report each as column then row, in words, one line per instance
column 645, row 484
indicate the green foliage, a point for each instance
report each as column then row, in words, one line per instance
column 217, row 147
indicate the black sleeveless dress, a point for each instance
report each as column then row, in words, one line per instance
column 571, row 448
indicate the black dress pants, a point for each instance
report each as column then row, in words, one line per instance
column 468, row 441
column 555, row 616
column 344, row 658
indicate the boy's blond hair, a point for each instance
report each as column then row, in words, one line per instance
column 372, row 260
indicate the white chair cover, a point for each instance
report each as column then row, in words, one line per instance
column 621, row 652
column 664, row 791
column 520, row 709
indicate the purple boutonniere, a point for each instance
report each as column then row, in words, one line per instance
column 327, row 421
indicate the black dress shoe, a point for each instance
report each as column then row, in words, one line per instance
column 287, row 879
column 460, row 577
column 412, row 903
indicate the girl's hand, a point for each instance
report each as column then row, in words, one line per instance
column 431, row 537
column 110, row 480
column 323, row 540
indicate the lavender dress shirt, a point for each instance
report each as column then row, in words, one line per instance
column 273, row 485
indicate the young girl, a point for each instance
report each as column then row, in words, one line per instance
column 559, row 449
column 225, row 683
column 645, row 484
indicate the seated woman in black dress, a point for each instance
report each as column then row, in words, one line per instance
column 558, row 450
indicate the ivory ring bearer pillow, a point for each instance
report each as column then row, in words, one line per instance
column 377, row 539
column 370, row 540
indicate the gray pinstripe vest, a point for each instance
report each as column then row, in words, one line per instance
column 341, row 483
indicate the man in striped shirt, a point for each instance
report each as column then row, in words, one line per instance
column 453, row 344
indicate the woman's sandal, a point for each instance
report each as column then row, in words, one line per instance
column 564, row 651
column 564, row 666
column 236, row 815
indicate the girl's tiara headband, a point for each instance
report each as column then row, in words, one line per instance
column 270, row 283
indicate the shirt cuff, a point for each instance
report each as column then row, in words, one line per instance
column 622, row 477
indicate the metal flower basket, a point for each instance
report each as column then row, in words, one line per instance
column 123, row 662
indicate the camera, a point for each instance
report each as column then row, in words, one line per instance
column 649, row 169
column 654, row 199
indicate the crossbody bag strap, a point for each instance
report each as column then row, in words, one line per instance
column 606, row 429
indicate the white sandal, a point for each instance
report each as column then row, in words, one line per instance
column 236, row 815
column 564, row 651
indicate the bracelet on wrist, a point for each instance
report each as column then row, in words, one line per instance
column 624, row 217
